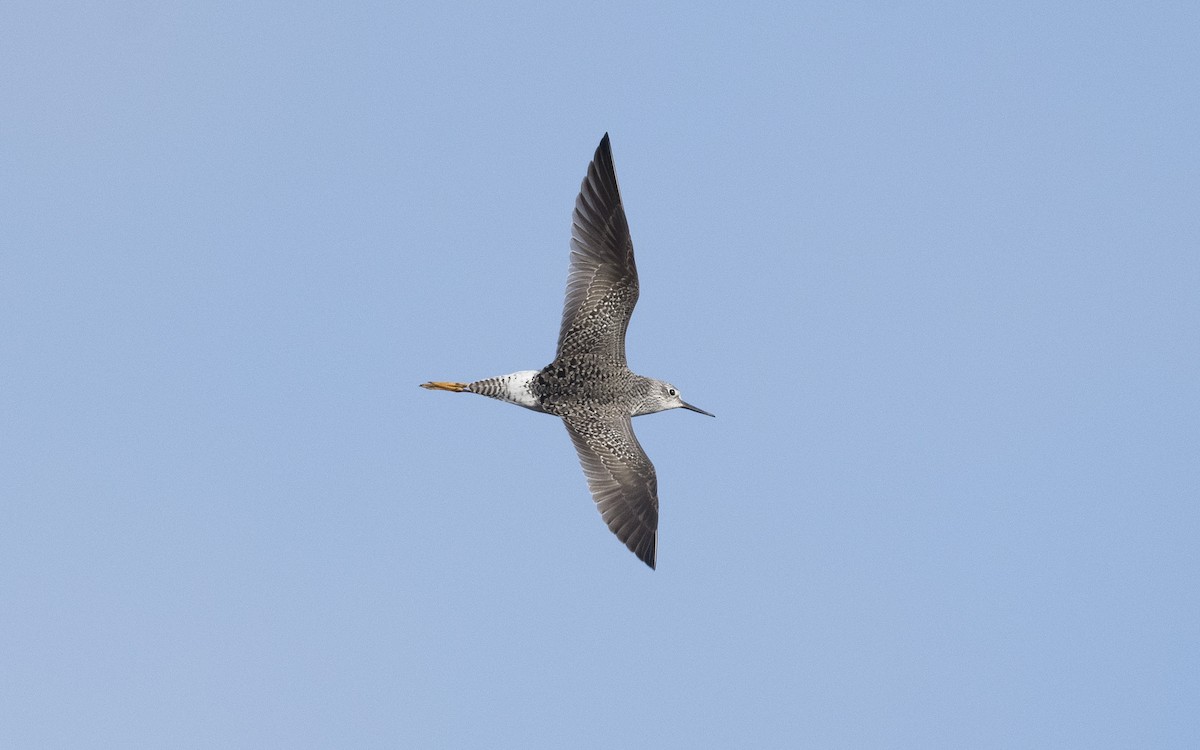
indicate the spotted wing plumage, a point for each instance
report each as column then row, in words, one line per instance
column 602, row 285
column 621, row 478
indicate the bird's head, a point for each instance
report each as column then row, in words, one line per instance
column 665, row 396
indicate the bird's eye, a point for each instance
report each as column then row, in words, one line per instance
column 671, row 392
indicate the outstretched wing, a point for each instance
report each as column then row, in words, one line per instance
column 621, row 478
column 602, row 285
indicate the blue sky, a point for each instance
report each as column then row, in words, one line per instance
column 936, row 268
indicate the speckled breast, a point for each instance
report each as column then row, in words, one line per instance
column 575, row 385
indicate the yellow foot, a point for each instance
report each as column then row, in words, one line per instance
column 436, row 386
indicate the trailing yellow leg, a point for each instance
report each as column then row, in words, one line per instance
column 438, row 386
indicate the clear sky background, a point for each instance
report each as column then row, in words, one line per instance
column 936, row 268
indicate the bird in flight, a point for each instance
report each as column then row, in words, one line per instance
column 589, row 384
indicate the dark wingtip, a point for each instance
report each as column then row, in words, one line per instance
column 649, row 556
column 602, row 172
column 644, row 549
column 648, row 559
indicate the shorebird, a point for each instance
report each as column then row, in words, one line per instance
column 589, row 383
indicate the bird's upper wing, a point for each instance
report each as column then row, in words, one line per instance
column 621, row 478
column 602, row 285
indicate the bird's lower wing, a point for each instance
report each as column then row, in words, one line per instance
column 621, row 478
